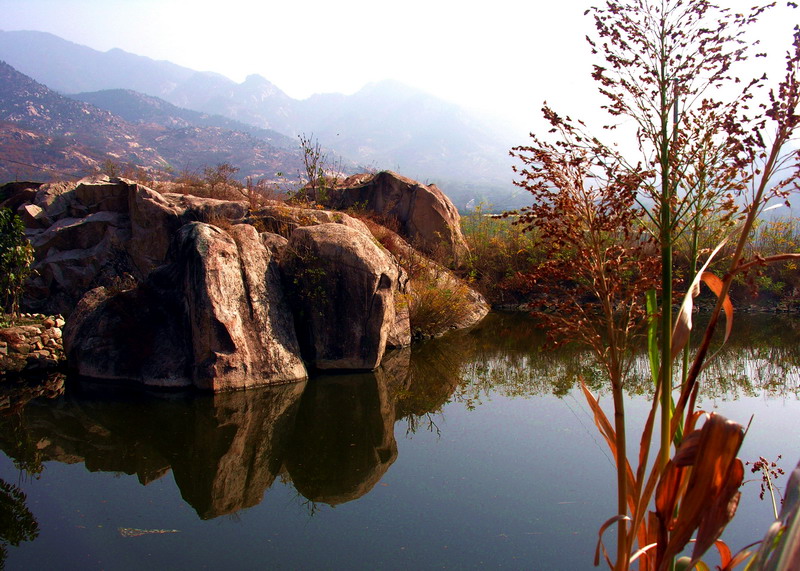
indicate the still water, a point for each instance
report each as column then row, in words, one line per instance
column 476, row 450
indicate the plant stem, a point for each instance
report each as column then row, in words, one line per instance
column 665, row 224
column 765, row 470
column 623, row 550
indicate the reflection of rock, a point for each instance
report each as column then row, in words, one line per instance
column 240, row 441
column 344, row 438
column 225, row 449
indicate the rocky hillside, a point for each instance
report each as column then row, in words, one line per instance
column 64, row 136
column 31, row 155
column 136, row 107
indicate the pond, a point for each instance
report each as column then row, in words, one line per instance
column 475, row 450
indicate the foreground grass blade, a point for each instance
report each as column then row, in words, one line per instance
column 683, row 321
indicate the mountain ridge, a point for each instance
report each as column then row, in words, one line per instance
column 77, row 136
column 385, row 125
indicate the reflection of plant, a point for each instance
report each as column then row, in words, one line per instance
column 17, row 523
column 23, row 449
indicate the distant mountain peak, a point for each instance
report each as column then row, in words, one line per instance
column 256, row 79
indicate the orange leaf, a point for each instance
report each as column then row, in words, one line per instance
column 711, row 495
column 683, row 321
column 715, row 285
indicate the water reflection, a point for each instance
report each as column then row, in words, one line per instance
column 343, row 440
column 17, row 523
column 333, row 438
column 224, row 450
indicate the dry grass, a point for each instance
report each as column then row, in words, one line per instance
column 437, row 299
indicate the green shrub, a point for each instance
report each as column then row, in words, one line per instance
column 16, row 256
column 499, row 252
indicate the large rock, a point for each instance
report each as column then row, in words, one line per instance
column 424, row 215
column 92, row 233
column 343, row 287
column 214, row 317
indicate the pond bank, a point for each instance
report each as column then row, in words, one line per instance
column 32, row 346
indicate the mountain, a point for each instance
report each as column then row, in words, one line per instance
column 390, row 124
column 82, row 135
column 137, row 107
column 385, row 125
column 32, row 106
column 29, row 155
column 68, row 67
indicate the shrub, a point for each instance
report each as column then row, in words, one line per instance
column 499, row 252
column 16, row 256
column 436, row 303
column 437, row 299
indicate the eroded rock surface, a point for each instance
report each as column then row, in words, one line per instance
column 214, row 317
column 343, row 291
column 424, row 215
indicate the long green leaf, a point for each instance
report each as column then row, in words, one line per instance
column 652, row 333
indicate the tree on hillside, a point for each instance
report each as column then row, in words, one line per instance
column 665, row 64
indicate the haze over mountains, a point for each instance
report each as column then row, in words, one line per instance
column 385, row 125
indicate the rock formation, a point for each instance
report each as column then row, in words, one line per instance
column 343, row 293
column 424, row 215
column 175, row 290
column 213, row 317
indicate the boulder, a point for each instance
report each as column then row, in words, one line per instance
column 134, row 335
column 56, row 199
column 343, row 289
column 33, row 216
column 213, row 317
column 15, row 194
column 91, row 233
column 423, row 214
column 102, row 194
column 197, row 208
column 274, row 243
column 153, row 222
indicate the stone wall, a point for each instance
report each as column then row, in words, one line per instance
column 34, row 345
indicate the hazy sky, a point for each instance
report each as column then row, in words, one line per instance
column 501, row 56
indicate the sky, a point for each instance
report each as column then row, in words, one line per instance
column 500, row 57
